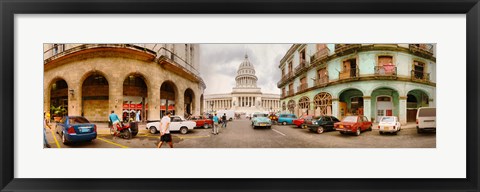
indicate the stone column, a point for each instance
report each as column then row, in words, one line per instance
column 115, row 97
column 402, row 102
column 74, row 101
column 367, row 106
column 154, row 102
column 335, row 111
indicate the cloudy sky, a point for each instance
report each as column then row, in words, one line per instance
column 219, row 64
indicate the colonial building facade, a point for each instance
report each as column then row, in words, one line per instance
column 93, row 79
column 374, row 80
column 245, row 96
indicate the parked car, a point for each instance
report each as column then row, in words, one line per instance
column 286, row 118
column 261, row 120
column 75, row 129
column 177, row 123
column 353, row 124
column 426, row 119
column 389, row 124
column 201, row 121
column 273, row 117
column 300, row 121
column 321, row 124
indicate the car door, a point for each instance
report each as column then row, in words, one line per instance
column 175, row 123
column 366, row 123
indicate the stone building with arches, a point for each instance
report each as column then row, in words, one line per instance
column 374, row 80
column 245, row 97
column 93, row 79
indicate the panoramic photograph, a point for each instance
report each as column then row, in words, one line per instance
column 161, row 95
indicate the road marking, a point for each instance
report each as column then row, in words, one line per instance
column 279, row 132
column 55, row 138
column 192, row 137
column 111, row 142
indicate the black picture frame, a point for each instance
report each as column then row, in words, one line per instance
column 9, row 8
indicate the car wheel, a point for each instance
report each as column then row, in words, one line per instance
column 205, row 126
column 284, row 123
column 370, row 128
column 381, row 133
column 419, row 130
column 395, row 133
column 320, row 130
column 357, row 133
column 342, row 133
column 184, row 130
column 153, row 130
column 64, row 140
column 304, row 126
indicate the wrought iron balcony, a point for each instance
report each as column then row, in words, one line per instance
column 339, row 48
column 422, row 48
column 386, row 71
column 321, row 81
column 349, row 73
column 303, row 66
column 420, row 76
column 319, row 56
column 302, row 87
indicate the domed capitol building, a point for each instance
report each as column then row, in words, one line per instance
column 245, row 97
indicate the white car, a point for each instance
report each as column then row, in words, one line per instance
column 426, row 119
column 177, row 123
column 389, row 124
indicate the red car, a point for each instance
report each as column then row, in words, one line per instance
column 202, row 121
column 300, row 121
column 353, row 124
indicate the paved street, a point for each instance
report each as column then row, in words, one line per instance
column 239, row 134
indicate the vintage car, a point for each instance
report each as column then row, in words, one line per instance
column 300, row 121
column 261, row 120
column 201, row 121
column 286, row 118
column 177, row 123
column 353, row 124
column 322, row 123
column 389, row 124
column 75, row 129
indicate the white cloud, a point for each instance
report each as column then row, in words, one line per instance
column 219, row 64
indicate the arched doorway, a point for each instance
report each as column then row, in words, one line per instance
column 135, row 97
column 291, row 106
column 58, row 99
column 323, row 104
column 385, row 102
column 189, row 102
column 95, row 98
column 415, row 99
column 304, row 104
column 350, row 103
column 168, row 95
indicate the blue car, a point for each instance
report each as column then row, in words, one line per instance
column 261, row 120
column 286, row 118
column 75, row 129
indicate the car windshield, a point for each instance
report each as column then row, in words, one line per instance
column 77, row 120
column 260, row 115
column 350, row 119
column 427, row 112
column 388, row 119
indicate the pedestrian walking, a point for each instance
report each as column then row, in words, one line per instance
column 115, row 121
column 224, row 120
column 137, row 116
column 45, row 124
column 165, row 131
column 215, row 124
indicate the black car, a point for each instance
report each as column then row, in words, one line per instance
column 322, row 123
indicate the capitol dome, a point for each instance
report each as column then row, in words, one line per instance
column 246, row 74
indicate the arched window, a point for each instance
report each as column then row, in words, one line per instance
column 323, row 103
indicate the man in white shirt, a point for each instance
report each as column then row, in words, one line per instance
column 165, row 131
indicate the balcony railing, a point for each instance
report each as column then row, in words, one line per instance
column 349, row 73
column 386, row 70
column 422, row 48
column 320, row 55
column 290, row 93
column 301, row 67
column 420, row 76
column 321, row 81
column 302, row 87
column 345, row 47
